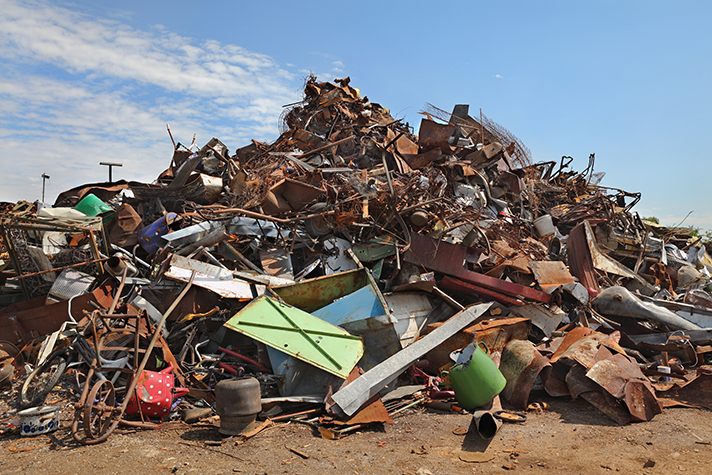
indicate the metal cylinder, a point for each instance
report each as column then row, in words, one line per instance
column 116, row 264
column 419, row 217
column 238, row 401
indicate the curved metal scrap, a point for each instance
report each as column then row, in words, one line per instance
column 521, row 364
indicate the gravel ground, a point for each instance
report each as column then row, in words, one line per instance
column 571, row 437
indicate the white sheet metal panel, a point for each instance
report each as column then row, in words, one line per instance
column 410, row 309
column 210, row 277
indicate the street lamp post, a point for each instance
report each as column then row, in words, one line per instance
column 111, row 165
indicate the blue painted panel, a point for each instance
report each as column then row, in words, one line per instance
column 359, row 305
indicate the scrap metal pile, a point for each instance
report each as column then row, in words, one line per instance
column 344, row 273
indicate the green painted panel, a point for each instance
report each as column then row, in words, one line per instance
column 299, row 334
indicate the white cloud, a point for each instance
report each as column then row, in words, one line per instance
column 497, row 76
column 76, row 90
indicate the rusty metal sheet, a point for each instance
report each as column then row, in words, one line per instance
column 512, row 258
column 622, row 379
column 571, row 337
column 20, row 323
column 579, row 258
column 434, row 135
column 450, row 259
column 555, row 384
column 277, row 262
column 551, row 274
column 402, row 144
column 611, row 376
column 582, row 386
column 521, row 364
column 372, row 411
column 511, row 181
column 312, row 294
column 608, row 405
column 289, row 195
column 422, row 160
column 578, row 383
column 697, row 393
column 586, row 350
column 641, row 401
column 125, row 227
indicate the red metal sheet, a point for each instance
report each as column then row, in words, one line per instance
column 457, row 285
column 450, row 259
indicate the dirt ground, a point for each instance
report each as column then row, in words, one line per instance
column 572, row 437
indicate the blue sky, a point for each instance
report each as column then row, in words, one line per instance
column 87, row 81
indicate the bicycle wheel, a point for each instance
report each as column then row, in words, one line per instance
column 42, row 380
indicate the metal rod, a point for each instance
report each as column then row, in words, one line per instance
column 388, row 175
column 408, row 406
column 168, row 126
column 115, row 302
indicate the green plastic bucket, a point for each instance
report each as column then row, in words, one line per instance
column 476, row 381
column 93, row 206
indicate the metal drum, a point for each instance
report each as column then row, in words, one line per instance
column 238, row 402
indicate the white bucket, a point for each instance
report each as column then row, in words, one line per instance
column 544, row 225
column 38, row 420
